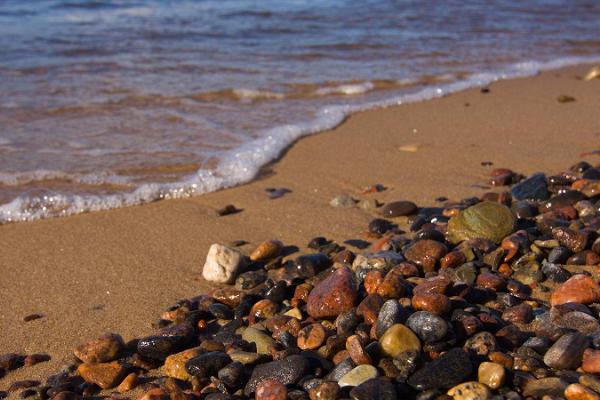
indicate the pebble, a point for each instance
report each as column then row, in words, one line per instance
column 343, row 200
column 486, row 220
column 567, row 351
column 390, row 313
column 399, row 209
column 287, row 371
column 546, row 386
column 333, row 295
column 444, row 372
column 369, row 308
column 491, row 374
column 33, row 359
column 376, row 388
column 577, row 289
column 324, row 391
column 222, row 264
column 433, row 302
column 358, row 375
column 266, row 250
column 532, row 188
column 398, row 339
column 312, row 337
column 263, row 341
column 207, row 364
column 105, row 348
column 470, row 391
column 175, row 363
column 429, row 327
column 250, row 279
column 105, row 375
column 576, row 391
column 160, row 347
column 271, row 389
column 129, row 383
column 357, row 351
column 426, row 253
column 591, row 361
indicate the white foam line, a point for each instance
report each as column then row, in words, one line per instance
column 242, row 164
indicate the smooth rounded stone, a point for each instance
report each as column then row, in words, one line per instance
column 220, row 311
column 207, row 364
column 566, row 352
column 287, row 371
column 278, row 292
column 160, row 347
column 309, row 265
column 532, row 188
column 324, row 391
column 577, row 289
column 426, row 253
column 591, row 361
column 358, row 375
column 357, row 351
column 390, row 313
column 572, row 240
column 261, row 339
column 545, row 387
column 311, row 337
column 341, row 369
column 376, row 388
column 577, row 391
column 175, row 364
column 444, row 372
column 524, row 209
column 129, row 383
column 347, row 321
column 222, row 264
column 539, row 344
column 380, row 226
column 482, row 343
column 250, row 279
column 470, row 391
column 393, row 285
column 247, row 357
column 369, row 308
column 491, row 374
column 579, row 321
column 432, row 302
column 555, row 272
column 430, row 234
column 342, row 200
column 266, row 250
column 271, row 389
column 521, row 313
column 429, row 327
column 399, row 209
column 398, row 339
column 105, row 375
column 486, row 220
column 232, row 374
column 565, row 199
column 466, row 273
column 105, row 348
column 333, row 295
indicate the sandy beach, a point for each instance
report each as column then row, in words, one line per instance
column 118, row 270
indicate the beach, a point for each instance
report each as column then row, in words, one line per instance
column 118, row 270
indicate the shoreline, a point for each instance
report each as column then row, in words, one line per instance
column 117, row 270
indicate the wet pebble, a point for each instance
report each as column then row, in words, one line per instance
column 429, row 327
column 398, row 209
column 333, row 295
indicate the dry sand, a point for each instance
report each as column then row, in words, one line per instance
column 118, row 270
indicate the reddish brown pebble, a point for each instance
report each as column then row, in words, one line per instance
column 433, row 302
column 332, row 295
column 453, row 259
column 369, row 308
column 128, row 383
column 105, row 348
column 312, row 337
column 267, row 250
column 340, row 356
column 439, row 284
column 155, row 394
column 344, row 257
column 228, row 296
column 487, row 280
column 324, row 391
column 426, row 253
column 393, row 285
column 357, row 351
column 591, row 361
column 105, row 375
column 522, row 313
column 373, row 280
column 505, row 270
column 264, row 308
column 10, row 361
column 578, row 289
column 577, row 391
column 271, row 389
column 407, row 269
column 502, row 359
column 37, row 358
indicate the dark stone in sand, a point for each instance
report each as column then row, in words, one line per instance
column 10, row 361
column 567, row 198
column 380, row 226
column 524, row 209
column 220, row 311
column 591, row 173
column 450, row 369
column 428, row 326
column 398, row 209
column 287, row 371
column 160, row 347
column 309, row 265
column 532, row 188
column 18, row 385
column 250, row 279
column 377, row 388
column 227, row 210
column 207, row 364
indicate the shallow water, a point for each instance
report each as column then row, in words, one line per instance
column 111, row 103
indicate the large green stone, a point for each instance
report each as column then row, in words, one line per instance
column 486, row 220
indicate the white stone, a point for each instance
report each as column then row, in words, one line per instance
column 222, row 264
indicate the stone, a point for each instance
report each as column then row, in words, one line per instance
column 429, row 327
column 333, row 295
column 250, row 279
column 36, row 358
column 532, row 188
column 393, row 285
column 577, row 391
column 222, row 264
column 105, row 348
column 358, row 375
column 470, row 391
column 129, row 383
column 271, row 389
column 491, row 374
column 567, row 351
column 207, row 364
column 232, row 374
column 220, row 311
column 376, row 388
column 262, row 340
column 433, row 302
column 324, row 391
column 486, row 220
column 311, row 337
column 262, row 309
column 160, row 347
column 577, row 289
column 309, row 265
column 399, row 209
column 175, row 363
column 591, row 361
column 398, row 339
column 426, row 253
column 287, row 371
column 444, row 372
column 390, row 313
column 369, row 308
column 266, row 250
column 343, row 200
column 545, row 386
column 105, row 375
column 481, row 344
column 575, row 241
column 10, row 361
column 357, row 351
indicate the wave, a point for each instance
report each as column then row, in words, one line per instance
column 243, row 163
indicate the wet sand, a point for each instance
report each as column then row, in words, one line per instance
column 118, row 270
